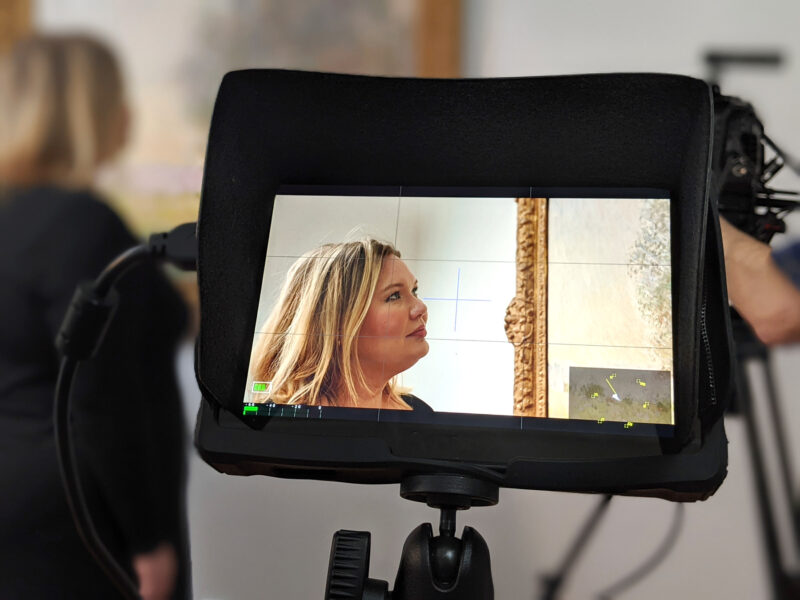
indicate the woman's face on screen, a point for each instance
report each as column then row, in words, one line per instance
column 392, row 337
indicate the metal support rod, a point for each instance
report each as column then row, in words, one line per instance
column 778, row 576
column 784, row 463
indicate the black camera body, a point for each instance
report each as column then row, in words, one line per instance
column 741, row 170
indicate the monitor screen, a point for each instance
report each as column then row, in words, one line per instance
column 499, row 308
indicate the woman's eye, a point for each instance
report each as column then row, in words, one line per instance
column 394, row 296
column 414, row 291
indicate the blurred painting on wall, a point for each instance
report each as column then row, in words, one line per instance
column 175, row 55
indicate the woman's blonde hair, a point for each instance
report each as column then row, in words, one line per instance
column 61, row 109
column 309, row 348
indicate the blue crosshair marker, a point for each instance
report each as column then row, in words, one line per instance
column 457, row 299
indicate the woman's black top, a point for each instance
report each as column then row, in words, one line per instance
column 126, row 419
column 416, row 404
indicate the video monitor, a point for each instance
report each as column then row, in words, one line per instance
column 518, row 308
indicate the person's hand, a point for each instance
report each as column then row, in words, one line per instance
column 157, row 571
column 758, row 289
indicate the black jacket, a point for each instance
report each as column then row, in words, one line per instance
column 127, row 420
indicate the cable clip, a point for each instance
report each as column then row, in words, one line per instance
column 86, row 322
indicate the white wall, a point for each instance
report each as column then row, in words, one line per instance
column 515, row 38
column 719, row 554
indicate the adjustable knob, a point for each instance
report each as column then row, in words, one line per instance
column 349, row 567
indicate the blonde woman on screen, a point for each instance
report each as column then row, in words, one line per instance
column 347, row 322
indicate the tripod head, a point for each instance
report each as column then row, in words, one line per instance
column 431, row 567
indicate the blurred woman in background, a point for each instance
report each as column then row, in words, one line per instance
column 63, row 115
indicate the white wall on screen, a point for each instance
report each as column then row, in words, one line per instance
column 461, row 250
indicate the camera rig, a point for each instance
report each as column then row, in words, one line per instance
column 745, row 161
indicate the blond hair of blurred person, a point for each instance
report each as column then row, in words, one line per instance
column 63, row 108
column 63, row 115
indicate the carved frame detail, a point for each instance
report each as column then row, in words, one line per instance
column 526, row 316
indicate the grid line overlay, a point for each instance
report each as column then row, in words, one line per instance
column 400, row 224
column 477, row 341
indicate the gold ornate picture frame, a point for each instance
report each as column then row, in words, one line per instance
column 526, row 316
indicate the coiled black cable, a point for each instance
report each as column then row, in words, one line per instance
column 81, row 333
column 654, row 560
